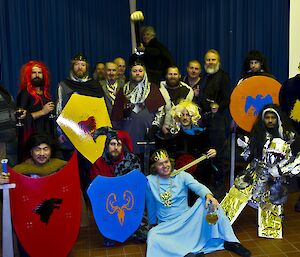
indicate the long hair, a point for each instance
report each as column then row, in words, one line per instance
column 25, row 79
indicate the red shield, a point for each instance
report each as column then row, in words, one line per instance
column 46, row 211
column 250, row 96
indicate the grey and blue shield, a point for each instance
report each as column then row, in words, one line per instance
column 118, row 204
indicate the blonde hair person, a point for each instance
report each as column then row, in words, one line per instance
column 191, row 108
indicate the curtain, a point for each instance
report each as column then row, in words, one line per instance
column 55, row 30
column 233, row 27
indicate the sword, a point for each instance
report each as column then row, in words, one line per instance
column 200, row 159
column 7, row 237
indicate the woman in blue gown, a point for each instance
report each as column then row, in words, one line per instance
column 181, row 230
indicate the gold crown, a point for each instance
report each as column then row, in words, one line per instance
column 159, row 154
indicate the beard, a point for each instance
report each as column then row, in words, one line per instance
column 173, row 82
column 114, row 156
column 80, row 74
column 98, row 76
column 212, row 69
column 273, row 131
column 37, row 82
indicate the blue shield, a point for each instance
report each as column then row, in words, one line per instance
column 118, row 204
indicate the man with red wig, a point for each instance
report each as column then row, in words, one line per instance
column 34, row 96
column 117, row 158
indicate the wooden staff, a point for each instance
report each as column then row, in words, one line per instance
column 137, row 18
column 200, row 159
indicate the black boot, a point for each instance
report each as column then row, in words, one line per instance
column 190, row 255
column 237, row 248
column 194, row 255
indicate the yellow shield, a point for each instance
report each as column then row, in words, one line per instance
column 79, row 119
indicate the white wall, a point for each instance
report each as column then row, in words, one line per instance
column 294, row 54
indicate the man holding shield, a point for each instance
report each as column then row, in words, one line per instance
column 78, row 82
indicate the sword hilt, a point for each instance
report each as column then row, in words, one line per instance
column 4, row 165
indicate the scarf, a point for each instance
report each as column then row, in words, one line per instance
column 139, row 93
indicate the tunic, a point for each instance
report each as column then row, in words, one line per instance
column 42, row 124
column 182, row 229
column 29, row 168
column 137, row 122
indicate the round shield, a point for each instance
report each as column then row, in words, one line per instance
column 250, row 96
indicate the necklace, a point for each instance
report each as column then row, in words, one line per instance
column 166, row 197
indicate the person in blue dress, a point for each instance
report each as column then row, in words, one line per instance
column 179, row 230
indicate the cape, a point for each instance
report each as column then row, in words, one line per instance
column 88, row 88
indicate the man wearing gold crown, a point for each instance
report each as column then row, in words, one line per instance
column 181, row 230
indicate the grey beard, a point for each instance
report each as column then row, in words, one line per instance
column 212, row 70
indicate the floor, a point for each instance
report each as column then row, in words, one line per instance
column 89, row 243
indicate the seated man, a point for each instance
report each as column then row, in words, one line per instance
column 117, row 160
column 193, row 138
column 184, row 231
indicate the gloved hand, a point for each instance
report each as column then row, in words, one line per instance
column 137, row 16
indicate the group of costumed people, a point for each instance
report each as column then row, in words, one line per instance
column 272, row 150
column 202, row 225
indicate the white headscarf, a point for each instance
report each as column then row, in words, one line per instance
column 280, row 128
column 140, row 92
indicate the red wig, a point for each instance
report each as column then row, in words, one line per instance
column 25, row 79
